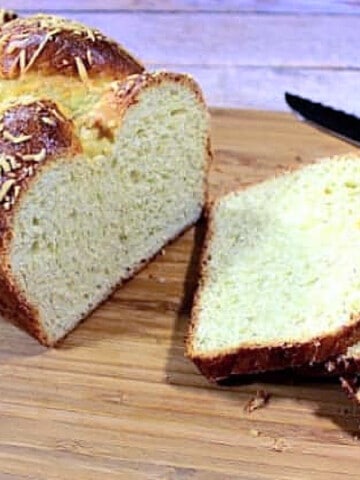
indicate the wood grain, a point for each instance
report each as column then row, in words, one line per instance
column 118, row 399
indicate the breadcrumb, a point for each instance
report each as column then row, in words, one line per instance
column 259, row 401
column 279, row 445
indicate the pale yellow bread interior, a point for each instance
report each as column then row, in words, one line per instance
column 87, row 223
column 283, row 261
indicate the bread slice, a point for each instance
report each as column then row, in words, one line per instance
column 280, row 279
column 78, row 221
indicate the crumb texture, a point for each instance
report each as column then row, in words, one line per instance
column 87, row 224
column 284, row 260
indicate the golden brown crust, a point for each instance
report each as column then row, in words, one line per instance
column 35, row 131
column 108, row 113
column 53, row 45
column 135, row 83
column 333, row 366
column 14, row 306
column 261, row 359
column 253, row 359
column 31, row 133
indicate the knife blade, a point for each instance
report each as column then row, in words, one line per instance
column 339, row 123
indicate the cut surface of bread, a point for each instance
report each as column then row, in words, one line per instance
column 280, row 281
column 83, row 224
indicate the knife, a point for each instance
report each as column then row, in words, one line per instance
column 337, row 122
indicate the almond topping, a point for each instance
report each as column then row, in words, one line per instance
column 57, row 115
column 5, row 187
column 37, row 53
column 4, row 164
column 4, row 38
column 35, row 157
column 21, row 138
column 12, row 162
column 90, row 34
column 49, row 121
column 89, row 56
column 16, row 191
column 22, row 60
column 81, row 69
column 54, row 32
column 13, row 66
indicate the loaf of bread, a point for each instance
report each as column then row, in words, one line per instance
column 101, row 164
column 280, row 281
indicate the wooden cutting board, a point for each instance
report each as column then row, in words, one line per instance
column 118, row 399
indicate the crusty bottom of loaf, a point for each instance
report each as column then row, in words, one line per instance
column 347, row 363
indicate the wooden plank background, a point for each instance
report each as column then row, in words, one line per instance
column 244, row 53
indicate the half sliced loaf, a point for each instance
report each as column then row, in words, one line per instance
column 77, row 221
column 280, row 280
